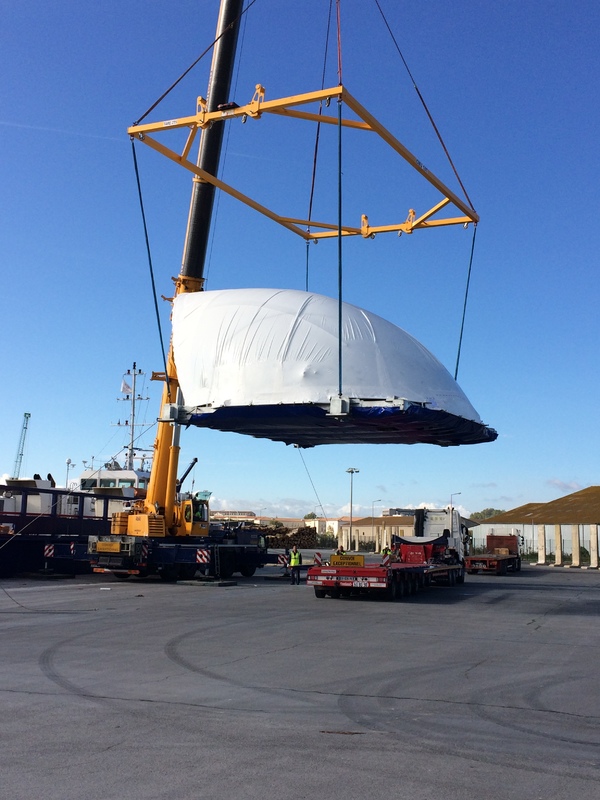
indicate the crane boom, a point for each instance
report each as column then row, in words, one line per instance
column 161, row 497
column 21, row 447
column 203, row 193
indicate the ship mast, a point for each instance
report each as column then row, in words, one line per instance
column 129, row 389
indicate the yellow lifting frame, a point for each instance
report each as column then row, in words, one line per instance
column 288, row 106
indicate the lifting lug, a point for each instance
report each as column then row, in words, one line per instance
column 255, row 103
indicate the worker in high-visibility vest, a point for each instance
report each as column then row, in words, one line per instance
column 295, row 561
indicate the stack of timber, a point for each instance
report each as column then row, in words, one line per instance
column 285, row 538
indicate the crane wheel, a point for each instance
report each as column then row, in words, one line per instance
column 247, row 572
column 169, row 574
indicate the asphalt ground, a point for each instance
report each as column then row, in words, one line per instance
column 143, row 689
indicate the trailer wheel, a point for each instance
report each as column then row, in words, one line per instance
column 518, row 566
column 121, row 576
column 335, row 593
column 320, row 593
column 451, row 577
column 460, row 578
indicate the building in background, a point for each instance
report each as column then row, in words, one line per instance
column 567, row 527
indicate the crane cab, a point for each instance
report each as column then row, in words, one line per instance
column 194, row 515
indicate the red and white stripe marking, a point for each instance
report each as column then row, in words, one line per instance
column 318, row 560
column 282, row 559
column 202, row 556
column 49, row 551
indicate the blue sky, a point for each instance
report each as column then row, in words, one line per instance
column 513, row 88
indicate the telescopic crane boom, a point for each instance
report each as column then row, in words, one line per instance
column 21, row 447
column 160, row 501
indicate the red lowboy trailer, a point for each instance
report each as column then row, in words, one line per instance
column 412, row 566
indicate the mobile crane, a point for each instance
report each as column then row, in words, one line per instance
column 141, row 540
column 169, row 533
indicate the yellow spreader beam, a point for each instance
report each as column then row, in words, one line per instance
column 291, row 107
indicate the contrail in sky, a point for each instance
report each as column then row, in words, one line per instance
column 59, row 130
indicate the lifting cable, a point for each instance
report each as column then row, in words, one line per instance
column 445, row 149
column 68, row 492
column 317, row 138
column 424, row 104
column 137, row 177
column 197, row 61
column 339, row 248
column 297, row 446
column 339, row 236
column 462, row 324
column 339, row 176
column 151, row 267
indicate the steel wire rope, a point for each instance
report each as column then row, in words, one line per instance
column 317, row 140
column 339, row 236
column 462, row 324
column 137, row 176
column 297, row 446
column 68, row 492
column 197, row 61
column 445, row 149
column 31, row 610
column 140, row 196
column 424, row 104
column 150, row 265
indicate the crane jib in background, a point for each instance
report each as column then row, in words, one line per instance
column 21, row 447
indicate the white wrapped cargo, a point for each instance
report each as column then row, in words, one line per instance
column 266, row 362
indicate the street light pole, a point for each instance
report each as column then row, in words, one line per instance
column 352, row 471
column 454, row 494
column 373, row 521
